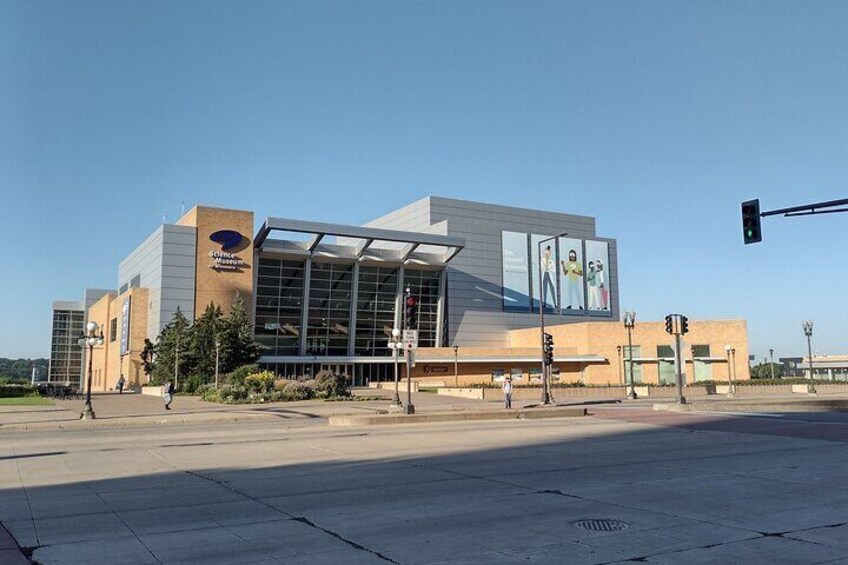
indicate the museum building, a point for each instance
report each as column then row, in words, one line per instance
column 327, row 296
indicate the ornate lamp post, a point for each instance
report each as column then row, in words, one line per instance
column 807, row 325
column 771, row 363
column 620, row 365
column 731, row 369
column 456, row 366
column 395, row 343
column 629, row 324
column 92, row 336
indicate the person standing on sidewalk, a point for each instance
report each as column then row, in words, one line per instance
column 507, row 392
column 168, row 389
column 121, row 382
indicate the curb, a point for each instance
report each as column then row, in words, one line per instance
column 74, row 425
column 458, row 416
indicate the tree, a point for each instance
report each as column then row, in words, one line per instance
column 237, row 345
column 148, row 356
column 173, row 350
column 764, row 371
column 205, row 332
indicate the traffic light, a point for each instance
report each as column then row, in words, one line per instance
column 548, row 347
column 669, row 324
column 411, row 312
column 684, row 324
column 751, row 229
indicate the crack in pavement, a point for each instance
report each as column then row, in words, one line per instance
column 340, row 537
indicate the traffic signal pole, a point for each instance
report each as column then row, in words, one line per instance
column 752, row 230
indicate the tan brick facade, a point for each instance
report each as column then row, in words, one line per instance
column 107, row 362
column 214, row 282
column 599, row 339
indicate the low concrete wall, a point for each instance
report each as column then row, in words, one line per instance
column 391, row 385
column 475, row 393
column 152, row 390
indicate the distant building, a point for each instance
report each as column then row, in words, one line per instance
column 65, row 364
column 826, row 367
column 792, row 366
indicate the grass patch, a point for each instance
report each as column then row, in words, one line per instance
column 429, row 389
column 26, row 401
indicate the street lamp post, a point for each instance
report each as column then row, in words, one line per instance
column 807, row 325
column 456, row 366
column 546, row 393
column 771, row 363
column 395, row 343
column 620, row 364
column 629, row 324
column 731, row 368
column 92, row 336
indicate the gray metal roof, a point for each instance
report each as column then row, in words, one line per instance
column 367, row 236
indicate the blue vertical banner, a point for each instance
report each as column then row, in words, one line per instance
column 515, row 264
column 125, row 326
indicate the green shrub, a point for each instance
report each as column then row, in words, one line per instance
column 260, row 382
column 237, row 377
column 328, row 384
column 296, row 390
column 16, row 391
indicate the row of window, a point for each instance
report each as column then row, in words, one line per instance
column 280, row 302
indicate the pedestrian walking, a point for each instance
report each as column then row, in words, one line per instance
column 168, row 389
column 121, row 382
column 507, row 392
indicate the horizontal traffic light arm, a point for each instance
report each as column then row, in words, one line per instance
column 809, row 209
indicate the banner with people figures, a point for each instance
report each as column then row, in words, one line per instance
column 572, row 275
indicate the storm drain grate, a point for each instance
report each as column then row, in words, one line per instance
column 601, row 525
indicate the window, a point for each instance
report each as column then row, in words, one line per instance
column 497, row 374
column 279, row 304
column 135, row 282
column 703, row 369
column 637, row 365
column 424, row 286
column 375, row 309
column 113, row 329
column 328, row 330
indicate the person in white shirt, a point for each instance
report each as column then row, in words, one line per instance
column 507, row 392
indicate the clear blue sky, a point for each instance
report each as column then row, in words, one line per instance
column 656, row 117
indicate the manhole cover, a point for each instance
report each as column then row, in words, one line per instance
column 601, row 525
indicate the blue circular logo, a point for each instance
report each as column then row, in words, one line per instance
column 228, row 239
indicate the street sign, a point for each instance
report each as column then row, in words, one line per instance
column 410, row 339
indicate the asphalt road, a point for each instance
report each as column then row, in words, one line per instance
column 685, row 488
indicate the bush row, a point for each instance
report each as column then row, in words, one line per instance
column 17, row 390
column 264, row 386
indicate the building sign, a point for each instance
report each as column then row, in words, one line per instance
column 226, row 260
column 435, row 369
column 223, row 261
column 125, row 326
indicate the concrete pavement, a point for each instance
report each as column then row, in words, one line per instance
column 690, row 488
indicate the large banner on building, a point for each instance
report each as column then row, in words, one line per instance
column 125, row 326
column 544, row 269
column 516, row 284
column 597, row 276
column 571, row 275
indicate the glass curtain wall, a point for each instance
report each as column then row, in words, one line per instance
column 329, row 309
column 375, row 309
column 425, row 288
column 65, row 353
column 279, row 303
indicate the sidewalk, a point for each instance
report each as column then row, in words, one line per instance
column 133, row 410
